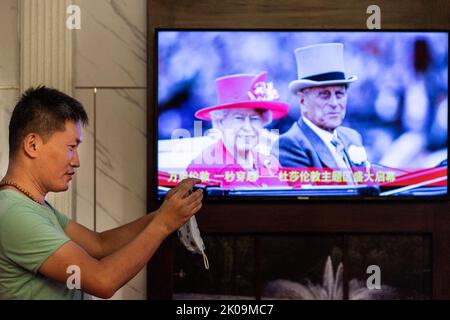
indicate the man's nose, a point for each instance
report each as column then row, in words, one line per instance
column 75, row 160
column 333, row 101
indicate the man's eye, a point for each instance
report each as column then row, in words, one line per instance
column 255, row 118
column 239, row 117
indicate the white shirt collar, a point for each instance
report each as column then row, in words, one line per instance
column 326, row 136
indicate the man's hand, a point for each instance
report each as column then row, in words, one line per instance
column 179, row 206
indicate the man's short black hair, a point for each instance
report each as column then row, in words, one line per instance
column 43, row 111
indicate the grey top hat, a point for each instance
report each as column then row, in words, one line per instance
column 320, row 65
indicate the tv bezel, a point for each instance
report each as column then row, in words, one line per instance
column 284, row 199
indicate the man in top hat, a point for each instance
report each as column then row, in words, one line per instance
column 246, row 103
column 317, row 139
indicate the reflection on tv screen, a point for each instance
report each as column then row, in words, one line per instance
column 303, row 114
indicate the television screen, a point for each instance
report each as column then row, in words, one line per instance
column 303, row 114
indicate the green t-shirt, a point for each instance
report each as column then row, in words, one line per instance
column 29, row 234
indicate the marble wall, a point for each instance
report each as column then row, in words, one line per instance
column 120, row 162
column 111, row 47
column 9, row 73
column 109, row 55
column 7, row 100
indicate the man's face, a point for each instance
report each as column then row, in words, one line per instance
column 59, row 158
column 324, row 106
column 241, row 129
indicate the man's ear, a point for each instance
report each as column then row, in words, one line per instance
column 301, row 97
column 301, row 100
column 32, row 144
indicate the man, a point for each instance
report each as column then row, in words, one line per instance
column 317, row 139
column 37, row 243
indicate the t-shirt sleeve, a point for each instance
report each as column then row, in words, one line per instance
column 63, row 220
column 29, row 239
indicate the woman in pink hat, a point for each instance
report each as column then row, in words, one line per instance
column 246, row 104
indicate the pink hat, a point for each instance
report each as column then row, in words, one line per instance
column 246, row 91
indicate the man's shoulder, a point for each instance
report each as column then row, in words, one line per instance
column 295, row 136
column 9, row 202
column 347, row 130
column 14, row 210
column 350, row 134
column 294, row 133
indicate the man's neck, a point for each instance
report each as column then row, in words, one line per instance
column 315, row 127
column 26, row 181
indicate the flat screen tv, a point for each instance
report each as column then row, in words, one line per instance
column 302, row 114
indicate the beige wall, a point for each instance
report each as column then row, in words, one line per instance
column 9, row 73
column 110, row 55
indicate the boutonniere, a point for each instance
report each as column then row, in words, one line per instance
column 357, row 154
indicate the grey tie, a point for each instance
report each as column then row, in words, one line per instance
column 337, row 143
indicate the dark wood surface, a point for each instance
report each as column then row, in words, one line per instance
column 398, row 14
column 251, row 217
column 331, row 217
